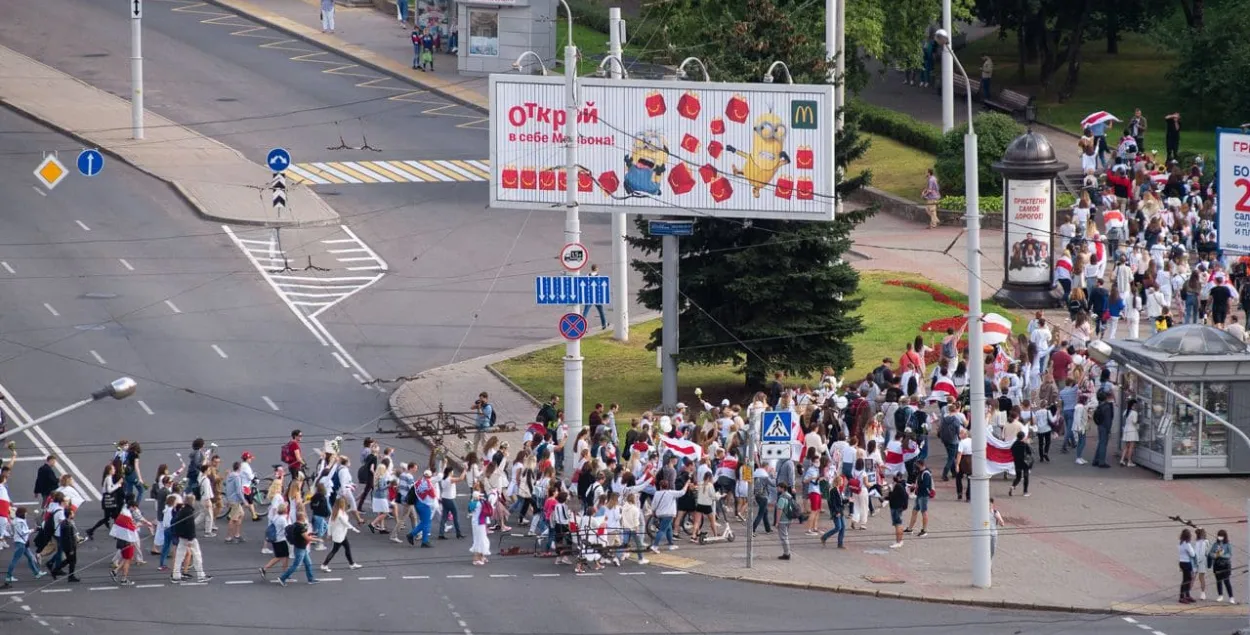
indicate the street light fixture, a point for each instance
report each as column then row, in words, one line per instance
column 118, row 389
column 681, row 68
column 518, row 65
column 612, row 57
column 980, row 492
column 768, row 76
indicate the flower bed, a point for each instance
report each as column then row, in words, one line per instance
column 939, row 325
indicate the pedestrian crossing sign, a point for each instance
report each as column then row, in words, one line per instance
column 776, row 427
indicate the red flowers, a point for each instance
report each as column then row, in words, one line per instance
column 941, row 324
column 937, row 296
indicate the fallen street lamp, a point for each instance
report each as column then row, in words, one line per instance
column 118, row 389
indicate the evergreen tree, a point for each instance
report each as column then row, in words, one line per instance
column 765, row 295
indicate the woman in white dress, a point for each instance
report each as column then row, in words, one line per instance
column 1129, row 436
column 479, row 516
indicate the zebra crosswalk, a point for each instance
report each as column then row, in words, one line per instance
column 359, row 172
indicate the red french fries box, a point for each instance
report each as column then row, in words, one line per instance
column 655, row 104
column 804, row 189
column 737, row 110
column 785, row 187
column 585, row 181
column 563, row 181
column 689, row 143
column 510, row 178
column 804, row 158
column 609, row 182
column 714, row 148
column 707, row 172
column 688, row 105
column 680, row 180
column 529, row 179
column 547, row 180
column 718, row 126
column 721, row 189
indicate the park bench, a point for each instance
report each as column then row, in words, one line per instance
column 1009, row 101
column 962, row 86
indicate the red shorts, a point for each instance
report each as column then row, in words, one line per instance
column 814, row 500
column 128, row 552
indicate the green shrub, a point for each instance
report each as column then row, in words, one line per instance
column 994, row 204
column 591, row 14
column 994, row 132
column 898, row 126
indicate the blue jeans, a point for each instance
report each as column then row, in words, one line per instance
column 985, row 89
column 21, row 551
column 170, row 542
column 603, row 321
column 320, row 526
column 1100, row 452
column 839, row 528
column 761, row 506
column 1191, row 309
column 665, row 531
column 402, row 5
column 951, row 450
column 425, row 513
column 299, row 557
column 1080, row 444
column 1069, row 437
column 449, row 509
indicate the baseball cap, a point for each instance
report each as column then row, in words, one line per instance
column 428, row 474
column 248, row 455
column 680, row 405
column 724, row 402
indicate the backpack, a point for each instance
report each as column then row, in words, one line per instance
column 878, row 377
column 792, row 510
column 493, row 415
column 948, row 431
column 473, row 506
column 291, row 533
column 411, row 497
column 271, row 533
column 917, row 422
column 335, row 482
column 288, row 453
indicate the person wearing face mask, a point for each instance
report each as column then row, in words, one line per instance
column 1221, row 557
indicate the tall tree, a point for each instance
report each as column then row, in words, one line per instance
column 764, row 294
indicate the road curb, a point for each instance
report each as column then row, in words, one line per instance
column 490, row 368
column 366, row 58
column 196, row 207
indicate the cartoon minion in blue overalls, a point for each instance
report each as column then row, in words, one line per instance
column 644, row 165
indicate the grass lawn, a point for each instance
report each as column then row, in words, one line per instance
column 627, row 373
column 896, row 168
column 589, row 42
column 1136, row 77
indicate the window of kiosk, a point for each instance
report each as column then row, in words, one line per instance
column 483, row 33
column 1149, row 414
column 1213, row 437
column 1186, row 420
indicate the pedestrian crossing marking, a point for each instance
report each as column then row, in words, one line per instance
column 395, row 171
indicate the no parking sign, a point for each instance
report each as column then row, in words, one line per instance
column 1233, row 190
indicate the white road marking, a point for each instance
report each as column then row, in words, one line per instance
column 431, row 172
column 43, row 443
column 416, row 577
column 632, row 573
column 270, row 402
column 250, row 241
column 7, row 267
column 307, row 176
column 55, row 590
column 353, row 250
column 98, row 359
column 102, row 588
column 83, row 226
column 333, row 172
column 323, row 304
column 501, row 575
column 239, row 581
column 338, row 241
column 459, row 577
column 1130, row 620
column 7, row 593
column 674, row 572
column 51, row 310
column 143, row 404
column 368, row 268
column 150, row 586
column 462, row 624
column 270, row 279
column 1158, row 633
column 43, row 623
column 358, row 378
column 367, row 172
column 588, row 575
column 331, row 579
column 24, row 607
column 546, row 575
column 309, row 279
column 355, row 259
column 127, row 265
column 220, row 352
column 41, row 192
column 172, row 306
column 1143, row 627
column 368, row 578
column 31, row 459
column 194, row 584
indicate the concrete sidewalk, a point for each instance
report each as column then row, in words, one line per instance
column 368, row 37
column 218, row 181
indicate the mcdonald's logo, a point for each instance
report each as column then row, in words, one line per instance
column 804, row 115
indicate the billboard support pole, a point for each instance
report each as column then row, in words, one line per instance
column 572, row 234
column 669, row 312
column 620, row 256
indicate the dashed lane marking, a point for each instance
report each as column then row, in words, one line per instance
column 239, row 581
column 370, row 578
column 172, row 307
column 7, row 267
column 83, row 226
column 8, row 593
column 51, row 310
column 392, row 171
column 99, row 360
column 269, row 402
column 220, row 352
column 416, row 577
column 127, row 265
column 146, row 408
column 459, row 577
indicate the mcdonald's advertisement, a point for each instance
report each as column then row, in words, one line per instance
column 671, row 148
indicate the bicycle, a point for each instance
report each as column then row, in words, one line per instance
column 260, row 497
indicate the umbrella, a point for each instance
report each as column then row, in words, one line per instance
column 1101, row 116
column 995, row 329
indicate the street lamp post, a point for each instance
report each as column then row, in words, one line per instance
column 768, row 76
column 980, row 490
column 519, row 63
column 119, row 389
column 681, row 68
column 573, row 359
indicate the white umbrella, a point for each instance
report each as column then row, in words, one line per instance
column 1101, row 116
column 995, row 329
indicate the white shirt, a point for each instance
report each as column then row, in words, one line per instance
column 447, row 488
column 246, row 469
column 1040, row 338
column 965, row 446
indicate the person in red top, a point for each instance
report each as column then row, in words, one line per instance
column 910, row 360
column 292, row 455
column 1060, row 360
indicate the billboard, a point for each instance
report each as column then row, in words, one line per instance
column 1030, row 208
column 1232, row 217
column 670, row 148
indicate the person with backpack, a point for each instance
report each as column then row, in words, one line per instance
column 836, row 506
column 423, row 496
column 948, row 433
column 898, row 499
column 275, row 535
column 787, row 512
column 67, row 544
column 184, row 529
column 300, row 538
column 923, row 490
column 292, row 455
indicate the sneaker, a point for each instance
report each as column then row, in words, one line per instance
column 907, row 531
column 896, row 545
column 643, row 561
column 672, row 547
column 229, row 541
column 162, row 568
column 1130, row 464
column 325, row 568
column 266, row 551
column 204, row 579
column 173, row 580
column 73, row 579
column 263, row 574
column 1232, row 600
column 1026, row 494
column 240, row 539
column 925, row 532
column 654, row 549
column 281, row 581
column 1202, row 595
column 784, row 556
column 127, row 582
column 1220, row 599
column 1080, row 461
column 312, row 582
column 10, row 580
column 356, row 566
column 113, row 574
column 320, row 547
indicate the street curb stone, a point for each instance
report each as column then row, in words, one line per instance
column 360, row 55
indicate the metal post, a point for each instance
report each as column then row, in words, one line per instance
column 136, row 69
column 948, row 73
column 980, row 483
column 572, row 234
column 669, row 313
column 620, row 256
column 840, row 91
column 749, row 460
column 51, row 415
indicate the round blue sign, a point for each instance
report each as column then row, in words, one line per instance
column 572, row 326
column 278, row 160
column 90, row 162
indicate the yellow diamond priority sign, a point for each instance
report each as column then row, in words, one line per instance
column 50, row 171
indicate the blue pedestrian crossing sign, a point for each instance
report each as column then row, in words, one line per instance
column 776, row 427
column 90, row 162
column 279, row 159
column 567, row 290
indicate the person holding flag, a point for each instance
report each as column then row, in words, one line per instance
column 898, row 453
column 425, row 498
column 126, row 531
column 6, row 508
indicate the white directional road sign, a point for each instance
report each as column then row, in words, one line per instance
column 278, row 159
column 573, row 290
column 776, row 427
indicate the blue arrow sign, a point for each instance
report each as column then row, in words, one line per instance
column 572, row 326
column 90, row 162
column 569, row 290
column 776, row 427
column 670, row 227
column 279, row 159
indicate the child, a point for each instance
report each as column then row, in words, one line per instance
column 427, row 59
column 996, row 521
column 21, row 535
column 320, row 508
column 416, row 49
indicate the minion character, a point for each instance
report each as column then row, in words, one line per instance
column 766, row 155
column 644, row 165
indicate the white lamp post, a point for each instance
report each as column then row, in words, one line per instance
column 119, row 389
column 519, row 63
column 768, row 76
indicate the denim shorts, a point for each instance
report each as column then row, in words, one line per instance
column 896, row 517
column 921, row 504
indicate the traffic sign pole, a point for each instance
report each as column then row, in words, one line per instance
column 572, row 234
column 136, row 68
column 669, row 314
column 620, row 257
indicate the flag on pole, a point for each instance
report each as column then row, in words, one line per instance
column 124, row 527
column 944, row 391
column 683, row 448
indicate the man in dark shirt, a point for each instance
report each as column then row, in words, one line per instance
column 1099, row 301
column 46, row 480
column 184, row 529
column 301, row 539
column 1221, row 298
column 898, row 504
column 595, row 421
column 775, row 389
column 1104, row 416
column 547, row 414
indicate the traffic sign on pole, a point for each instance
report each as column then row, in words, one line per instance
column 50, row 171
column 774, row 451
column 278, row 187
column 572, row 326
column 279, row 159
column 777, row 427
column 567, row 290
column 670, row 227
column 90, row 162
column 574, row 256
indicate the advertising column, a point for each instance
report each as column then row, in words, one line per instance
column 1232, row 220
column 1027, row 221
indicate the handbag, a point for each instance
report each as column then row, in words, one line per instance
column 965, row 464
